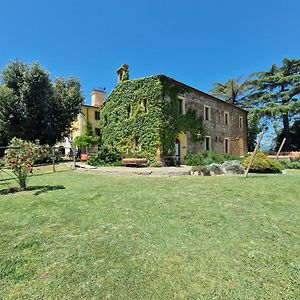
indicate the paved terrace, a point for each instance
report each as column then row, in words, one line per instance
column 152, row 171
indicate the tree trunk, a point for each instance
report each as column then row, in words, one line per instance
column 286, row 132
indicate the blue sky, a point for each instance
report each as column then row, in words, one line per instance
column 197, row 42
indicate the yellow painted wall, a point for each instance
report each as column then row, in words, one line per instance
column 87, row 116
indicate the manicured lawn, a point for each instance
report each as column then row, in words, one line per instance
column 93, row 236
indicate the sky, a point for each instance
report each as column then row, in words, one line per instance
column 196, row 42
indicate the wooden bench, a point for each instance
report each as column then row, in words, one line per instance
column 135, row 162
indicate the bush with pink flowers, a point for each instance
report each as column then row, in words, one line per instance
column 20, row 157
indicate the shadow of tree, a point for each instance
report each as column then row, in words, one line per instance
column 38, row 188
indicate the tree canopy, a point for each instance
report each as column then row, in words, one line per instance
column 271, row 95
column 295, row 137
column 275, row 94
column 32, row 107
column 231, row 91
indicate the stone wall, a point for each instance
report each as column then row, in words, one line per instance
column 215, row 127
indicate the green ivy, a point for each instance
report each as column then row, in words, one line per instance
column 157, row 127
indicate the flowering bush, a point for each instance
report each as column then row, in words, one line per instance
column 20, row 157
column 263, row 164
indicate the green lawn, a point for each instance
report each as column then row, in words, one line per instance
column 95, row 236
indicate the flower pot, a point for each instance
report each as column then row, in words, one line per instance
column 83, row 157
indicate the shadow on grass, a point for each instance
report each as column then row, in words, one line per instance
column 38, row 188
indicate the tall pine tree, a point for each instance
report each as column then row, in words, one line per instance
column 275, row 94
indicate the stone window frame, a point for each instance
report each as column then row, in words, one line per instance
column 209, row 143
column 182, row 100
column 207, row 117
column 241, row 121
column 226, row 113
column 228, row 145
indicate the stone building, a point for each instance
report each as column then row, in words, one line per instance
column 225, row 125
column 159, row 115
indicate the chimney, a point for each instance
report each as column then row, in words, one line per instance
column 123, row 73
column 98, row 97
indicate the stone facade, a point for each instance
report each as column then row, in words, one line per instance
column 221, row 121
column 123, row 115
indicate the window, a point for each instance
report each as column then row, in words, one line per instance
column 97, row 115
column 181, row 105
column 129, row 111
column 97, row 131
column 144, row 105
column 241, row 122
column 207, row 113
column 207, row 143
column 226, row 118
column 226, row 145
column 105, row 120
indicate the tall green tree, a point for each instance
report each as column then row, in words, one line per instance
column 295, row 137
column 275, row 94
column 231, row 91
column 34, row 107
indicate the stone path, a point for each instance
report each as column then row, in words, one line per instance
column 149, row 171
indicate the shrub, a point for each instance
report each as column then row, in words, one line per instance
column 296, row 159
column 203, row 159
column 293, row 164
column 20, row 157
column 201, row 170
column 263, row 164
column 135, row 154
column 212, row 156
column 231, row 157
column 105, row 156
column 86, row 141
column 46, row 156
column 194, row 160
column 233, row 167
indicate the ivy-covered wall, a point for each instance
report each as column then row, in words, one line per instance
column 143, row 115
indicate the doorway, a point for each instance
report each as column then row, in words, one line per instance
column 241, row 146
column 177, row 152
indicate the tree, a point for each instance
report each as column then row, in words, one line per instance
column 32, row 107
column 254, row 128
column 231, row 91
column 295, row 137
column 234, row 92
column 275, row 94
column 7, row 108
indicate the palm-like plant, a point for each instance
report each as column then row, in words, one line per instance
column 231, row 91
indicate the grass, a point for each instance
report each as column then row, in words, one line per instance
column 132, row 237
